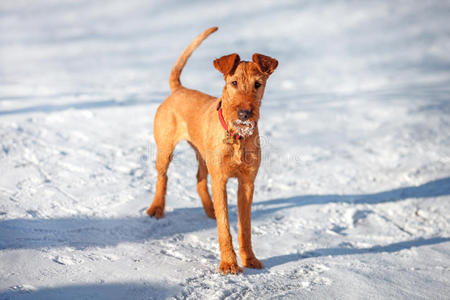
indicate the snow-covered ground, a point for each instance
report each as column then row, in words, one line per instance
column 352, row 199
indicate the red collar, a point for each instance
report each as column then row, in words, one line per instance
column 230, row 133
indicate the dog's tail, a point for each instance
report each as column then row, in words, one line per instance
column 179, row 65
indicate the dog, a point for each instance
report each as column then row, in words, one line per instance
column 224, row 134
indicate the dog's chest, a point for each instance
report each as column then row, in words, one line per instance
column 242, row 158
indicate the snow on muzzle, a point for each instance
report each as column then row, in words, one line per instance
column 244, row 128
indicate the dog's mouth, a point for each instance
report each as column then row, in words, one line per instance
column 244, row 128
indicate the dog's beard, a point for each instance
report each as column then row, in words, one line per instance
column 244, row 128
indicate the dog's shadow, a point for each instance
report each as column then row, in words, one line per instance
column 83, row 232
column 394, row 247
column 435, row 188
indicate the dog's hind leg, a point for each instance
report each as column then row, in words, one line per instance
column 202, row 186
column 163, row 158
column 165, row 137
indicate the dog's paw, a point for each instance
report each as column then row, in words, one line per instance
column 229, row 268
column 210, row 214
column 253, row 263
column 155, row 211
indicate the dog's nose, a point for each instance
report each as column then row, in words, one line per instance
column 244, row 114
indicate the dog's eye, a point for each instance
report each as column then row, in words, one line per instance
column 234, row 83
column 257, row 84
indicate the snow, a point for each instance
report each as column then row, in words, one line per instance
column 352, row 198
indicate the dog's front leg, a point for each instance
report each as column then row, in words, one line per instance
column 228, row 262
column 245, row 197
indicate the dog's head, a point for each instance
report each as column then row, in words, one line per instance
column 244, row 88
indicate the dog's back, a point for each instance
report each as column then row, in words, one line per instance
column 183, row 103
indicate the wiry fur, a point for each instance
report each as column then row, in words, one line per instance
column 191, row 115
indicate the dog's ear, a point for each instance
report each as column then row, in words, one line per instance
column 265, row 63
column 227, row 64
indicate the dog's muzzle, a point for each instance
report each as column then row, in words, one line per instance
column 244, row 128
column 244, row 114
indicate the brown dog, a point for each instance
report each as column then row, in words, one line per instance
column 224, row 134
